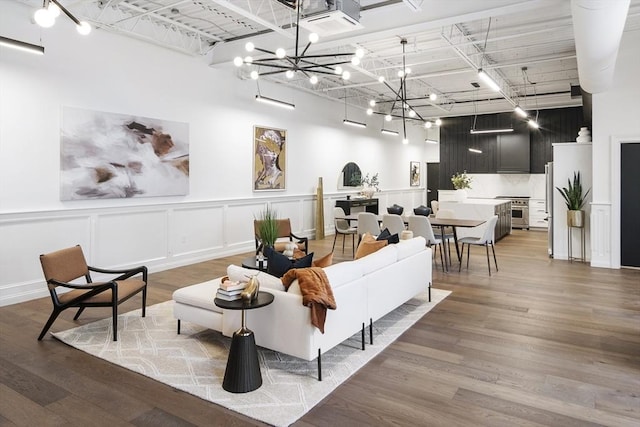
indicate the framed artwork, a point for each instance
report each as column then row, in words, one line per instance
column 414, row 174
column 269, row 158
column 110, row 155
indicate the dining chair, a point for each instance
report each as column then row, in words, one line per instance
column 394, row 223
column 367, row 223
column 61, row 269
column 486, row 240
column 435, row 205
column 421, row 226
column 342, row 227
column 448, row 231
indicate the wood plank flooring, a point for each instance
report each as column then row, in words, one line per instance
column 541, row 342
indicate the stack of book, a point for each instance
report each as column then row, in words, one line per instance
column 230, row 290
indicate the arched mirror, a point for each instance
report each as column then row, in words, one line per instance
column 350, row 176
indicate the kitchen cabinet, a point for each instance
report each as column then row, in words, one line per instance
column 537, row 214
column 481, row 209
column 503, row 226
column 514, row 152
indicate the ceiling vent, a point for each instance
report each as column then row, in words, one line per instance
column 327, row 18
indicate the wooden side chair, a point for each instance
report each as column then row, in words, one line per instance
column 66, row 265
column 284, row 232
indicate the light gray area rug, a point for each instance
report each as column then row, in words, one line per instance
column 195, row 360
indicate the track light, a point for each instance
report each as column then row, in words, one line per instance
column 390, row 132
column 488, row 80
column 352, row 123
column 519, row 111
column 275, row 102
column 533, row 124
column 23, row 46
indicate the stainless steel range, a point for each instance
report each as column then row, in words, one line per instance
column 519, row 211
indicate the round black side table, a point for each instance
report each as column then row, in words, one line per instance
column 242, row 373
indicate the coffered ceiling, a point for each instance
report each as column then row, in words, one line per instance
column 528, row 46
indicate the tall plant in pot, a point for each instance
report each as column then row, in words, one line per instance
column 267, row 228
column 575, row 200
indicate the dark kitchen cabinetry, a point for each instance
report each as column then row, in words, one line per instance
column 503, row 226
column 513, row 152
column 370, row 205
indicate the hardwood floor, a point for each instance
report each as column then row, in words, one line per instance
column 541, row 342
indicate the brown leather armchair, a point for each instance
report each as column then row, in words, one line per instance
column 63, row 266
column 284, row 232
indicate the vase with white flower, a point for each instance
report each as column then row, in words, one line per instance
column 370, row 184
column 461, row 181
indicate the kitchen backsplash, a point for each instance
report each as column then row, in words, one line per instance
column 517, row 184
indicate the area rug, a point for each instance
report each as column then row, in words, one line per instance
column 195, row 360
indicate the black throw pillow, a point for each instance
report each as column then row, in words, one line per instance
column 390, row 238
column 278, row 264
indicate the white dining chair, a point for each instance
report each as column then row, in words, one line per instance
column 343, row 227
column 368, row 222
column 486, row 240
column 435, row 205
column 394, row 223
column 421, row 226
column 448, row 236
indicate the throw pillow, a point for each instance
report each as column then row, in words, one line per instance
column 323, row 262
column 369, row 245
column 386, row 235
column 279, row 264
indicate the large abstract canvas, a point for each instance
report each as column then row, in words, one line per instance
column 110, row 155
column 269, row 158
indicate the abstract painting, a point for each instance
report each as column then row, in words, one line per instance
column 414, row 174
column 269, row 158
column 109, row 155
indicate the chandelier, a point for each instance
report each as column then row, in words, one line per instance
column 400, row 107
column 46, row 16
column 278, row 61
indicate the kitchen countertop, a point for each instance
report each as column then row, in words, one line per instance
column 472, row 201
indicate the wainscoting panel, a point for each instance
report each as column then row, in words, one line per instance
column 196, row 230
column 601, row 235
column 238, row 227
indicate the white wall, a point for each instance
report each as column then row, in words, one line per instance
column 106, row 72
column 615, row 121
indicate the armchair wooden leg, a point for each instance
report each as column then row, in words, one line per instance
column 52, row 318
column 80, row 310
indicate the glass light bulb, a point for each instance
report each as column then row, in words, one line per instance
column 438, row 122
column 405, row 141
column 313, row 79
column 433, row 96
column 249, row 47
column 388, row 117
column 400, row 73
column 372, row 103
column 355, row 60
column 44, row 18
column 360, row 52
column 369, row 111
column 248, row 60
column 54, row 10
column 237, row 61
column 346, row 75
column 428, row 125
column 84, row 28
column 254, row 75
column 338, row 70
column 412, row 113
column 407, row 70
column 281, row 53
column 381, row 79
column 289, row 74
column 313, row 38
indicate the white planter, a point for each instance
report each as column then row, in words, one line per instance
column 461, row 195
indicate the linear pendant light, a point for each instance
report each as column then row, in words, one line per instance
column 480, row 131
column 475, row 150
column 275, row 102
column 488, row 80
column 390, row 132
column 352, row 123
column 20, row 45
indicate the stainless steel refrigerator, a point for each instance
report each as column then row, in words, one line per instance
column 548, row 204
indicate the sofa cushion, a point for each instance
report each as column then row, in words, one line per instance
column 379, row 259
column 410, row 246
column 241, row 274
column 200, row 295
column 343, row 272
column 369, row 245
column 386, row 235
column 323, row 262
column 279, row 264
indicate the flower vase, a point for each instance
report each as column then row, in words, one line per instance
column 461, row 195
column 367, row 192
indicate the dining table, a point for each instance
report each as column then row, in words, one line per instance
column 442, row 223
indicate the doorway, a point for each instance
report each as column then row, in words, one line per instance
column 629, row 205
column 433, row 182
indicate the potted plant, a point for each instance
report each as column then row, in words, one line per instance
column 370, row 184
column 268, row 228
column 575, row 200
column 461, row 181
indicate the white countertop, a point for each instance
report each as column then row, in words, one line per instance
column 472, row 201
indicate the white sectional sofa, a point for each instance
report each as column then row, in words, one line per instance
column 365, row 290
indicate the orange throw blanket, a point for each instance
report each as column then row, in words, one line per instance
column 316, row 292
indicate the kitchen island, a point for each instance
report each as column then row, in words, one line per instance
column 482, row 209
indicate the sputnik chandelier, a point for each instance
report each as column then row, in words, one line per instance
column 309, row 65
column 407, row 112
column 46, row 16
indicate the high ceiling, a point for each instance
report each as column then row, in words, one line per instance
column 527, row 46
